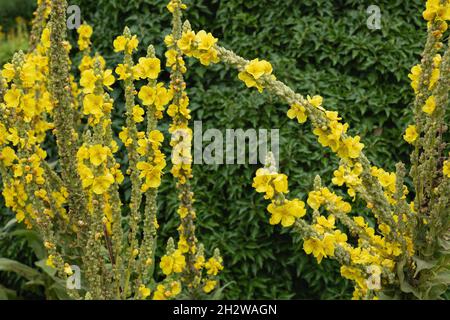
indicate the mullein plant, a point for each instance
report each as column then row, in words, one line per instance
column 74, row 202
column 406, row 253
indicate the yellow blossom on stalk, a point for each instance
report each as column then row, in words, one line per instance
column 7, row 156
column 93, row 105
column 213, row 266
column 123, row 71
column 148, row 68
column 287, row 212
column 101, row 184
column 209, row 286
column 446, row 168
column 98, row 154
column 8, row 72
column 68, row 269
column 138, row 113
column 173, row 263
column 186, row 42
column 299, row 112
column 269, row 183
column 159, row 96
column 416, row 71
column 325, row 224
column 12, row 97
column 108, row 79
column 85, row 33
column 430, row 105
column 315, row 101
column 351, row 147
column 411, row 134
column 174, row 4
column 50, row 261
column 253, row 72
column 434, row 10
column 160, row 293
column 121, row 43
column 45, row 38
column 144, row 291
column 320, row 248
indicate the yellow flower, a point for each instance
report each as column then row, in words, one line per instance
column 50, row 261
column 68, row 269
column 258, row 68
column 148, row 68
column 85, row 31
column 209, row 286
column 138, row 113
column 8, row 156
column 12, row 98
column 108, row 79
column 132, row 44
column 416, row 71
column 144, row 291
column 8, row 72
column 287, row 212
column 320, row 248
column 171, row 57
column 315, row 101
column 160, row 293
column 254, row 70
column 166, row 264
column 430, row 105
column 119, row 43
column 206, row 41
column 156, row 138
column 92, row 104
column 315, row 200
column 45, row 38
column 186, row 42
column 410, row 134
column 101, row 184
column 88, row 80
column 175, row 288
column 297, row 111
column 123, row 71
column 98, row 154
column 213, row 266
column 351, row 148
column 446, row 169
column 173, row 263
column 147, row 95
column 434, row 10
column 86, row 175
column 326, row 223
column 152, row 175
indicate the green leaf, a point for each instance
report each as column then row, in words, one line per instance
column 19, row 268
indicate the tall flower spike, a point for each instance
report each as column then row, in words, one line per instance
column 128, row 43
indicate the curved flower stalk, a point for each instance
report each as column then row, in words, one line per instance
column 391, row 260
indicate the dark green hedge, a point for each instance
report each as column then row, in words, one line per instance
column 10, row 10
column 315, row 47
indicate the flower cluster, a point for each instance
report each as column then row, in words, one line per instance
column 200, row 45
column 255, row 72
column 84, row 40
column 275, row 187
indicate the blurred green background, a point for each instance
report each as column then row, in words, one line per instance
column 315, row 47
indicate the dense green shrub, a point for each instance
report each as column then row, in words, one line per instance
column 315, row 47
column 9, row 10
